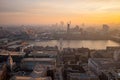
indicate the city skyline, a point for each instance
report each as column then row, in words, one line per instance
column 47, row 12
column 59, row 39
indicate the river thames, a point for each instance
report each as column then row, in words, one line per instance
column 91, row 44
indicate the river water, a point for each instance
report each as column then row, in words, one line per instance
column 91, row 44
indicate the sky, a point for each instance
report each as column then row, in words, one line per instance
column 53, row 11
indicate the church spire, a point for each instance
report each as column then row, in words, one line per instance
column 10, row 62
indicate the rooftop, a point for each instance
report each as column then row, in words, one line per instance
column 14, row 42
column 12, row 53
column 29, row 78
column 44, row 52
column 14, row 46
column 105, row 63
column 38, row 59
column 103, row 60
column 81, row 75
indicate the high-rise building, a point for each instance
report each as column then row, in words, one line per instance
column 1, row 28
column 68, row 27
column 116, row 55
column 105, row 28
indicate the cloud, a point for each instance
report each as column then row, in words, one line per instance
column 15, row 5
column 111, row 9
column 56, row 6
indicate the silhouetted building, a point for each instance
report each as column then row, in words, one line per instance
column 97, row 65
column 105, row 29
column 68, row 28
column 29, row 63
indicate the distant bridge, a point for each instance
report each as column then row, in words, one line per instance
column 116, row 38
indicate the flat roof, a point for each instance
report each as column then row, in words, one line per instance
column 79, row 75
column 30, row 78
column 104, row 62
column 6, row 53
column 43, row 53
column 14, row 46
column 37, row 59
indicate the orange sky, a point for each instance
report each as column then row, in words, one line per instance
column 52, row 11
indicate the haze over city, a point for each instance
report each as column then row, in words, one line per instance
column 89, row 12
column 59, row 39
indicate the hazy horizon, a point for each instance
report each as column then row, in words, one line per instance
column 44, row 12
